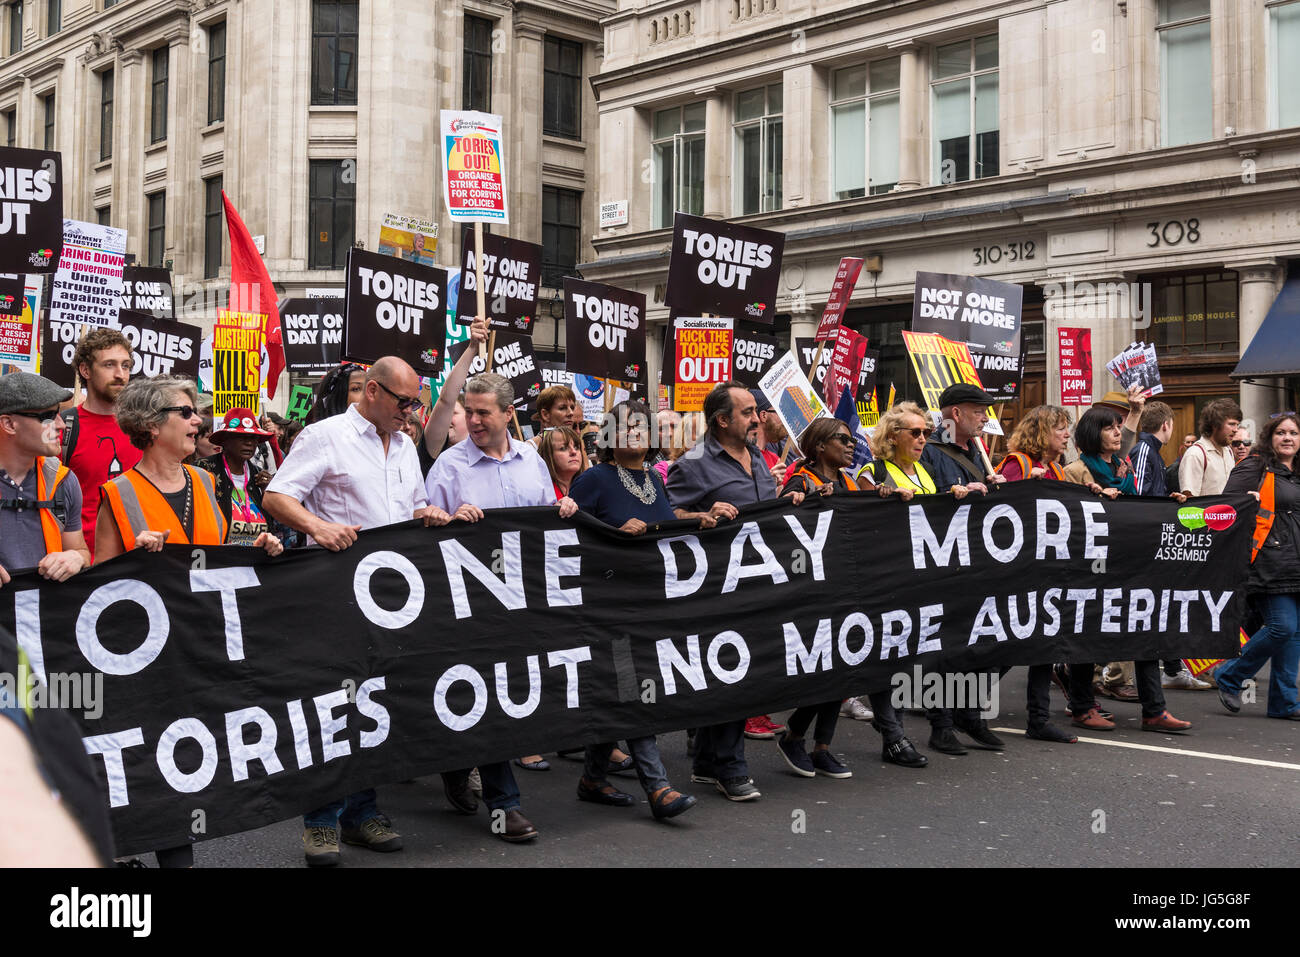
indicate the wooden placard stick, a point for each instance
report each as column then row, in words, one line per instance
column 479, row 296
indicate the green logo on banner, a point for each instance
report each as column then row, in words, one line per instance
column 1189, row 516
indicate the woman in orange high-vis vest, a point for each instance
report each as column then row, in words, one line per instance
column 1269, row 474
column 162, row 499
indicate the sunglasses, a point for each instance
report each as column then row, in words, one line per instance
column 404, row 404
column 185, row 411
column 45, row 417
column 917, row 433
column 1237, row 444
column 845, row 438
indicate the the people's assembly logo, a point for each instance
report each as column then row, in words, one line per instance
column 1193, row 545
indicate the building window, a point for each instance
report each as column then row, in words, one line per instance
column 216, row 73
column 331, row 216
column 562, row 90
column 678, row 147
column 16, row 27
column 965, row 110
column 1186, row 102
column 561, row 221
column 106, row 115
column 334, row 53
column 1284, row 54
column 157, row 227
column 158, row 101
column 1194, row 313
column 477, row 65
column 11, row 127
column 864, row 129
column 53, row 17
column 212, row 238
column 104, row 215
column 758, row 150
column 48, row 100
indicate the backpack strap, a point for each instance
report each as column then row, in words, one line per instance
column 71, row 430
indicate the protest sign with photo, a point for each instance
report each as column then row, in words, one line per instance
column 593, row 392
column 257, row 725
column 846, row 277
column 512, row 270
column 1075, row 345
column 31, row 209
column 1137, row 365
column 313, row 334
column 237, row 341
column 394, row 308
column 409, row 238
column 701, row 359
column 792, row 396
column 984, row 314
column 474, row 181
column 19, row 343
column 752, row 354
column 723, row 268
column 148, row 289
column 88, row 283
column 604, row 329
column 158, row 346
column 940, row 363
column 512, row 357
column 11, row 293
column 846, row 366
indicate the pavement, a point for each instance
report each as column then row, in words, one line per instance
column 1227, row 794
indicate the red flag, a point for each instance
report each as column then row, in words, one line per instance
column 251, row 290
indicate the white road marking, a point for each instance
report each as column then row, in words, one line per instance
column 1181, row 751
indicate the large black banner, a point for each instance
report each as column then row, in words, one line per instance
column 725, row 269
column 512, row 270
column 31, row 210
column 394, row 308
column 984, row 314
column 313, row 334
column 251, row 689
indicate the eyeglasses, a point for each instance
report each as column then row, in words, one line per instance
column 1237, row 444
column 404, row 404
column 917, row 433
column 45, row 417
column 1279, row 415
column 185, row 411
column 845, row 438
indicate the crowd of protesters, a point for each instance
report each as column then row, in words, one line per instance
column 138, row 464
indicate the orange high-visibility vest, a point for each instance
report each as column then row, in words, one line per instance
column 137, row 506
column 1027, row 465
column 50, row 473
column 849, row 484
column 1264, row 517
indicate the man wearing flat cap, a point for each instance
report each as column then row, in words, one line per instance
column 953, row 457
column 40, row 499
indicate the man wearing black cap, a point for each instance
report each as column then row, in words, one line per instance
column 40, row 499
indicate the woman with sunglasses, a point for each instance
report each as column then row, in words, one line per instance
column 827, row 448
column 1269, row 475
column 162, row 499
column 897, row 444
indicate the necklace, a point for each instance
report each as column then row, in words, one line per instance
column 645, row 494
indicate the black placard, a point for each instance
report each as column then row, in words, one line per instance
column 604, row 331
column 512, row 271
column 752, row 354
column 512, row 357
column 984, row 314
column 394, row 308
column 724, row 269
column 11, row 294
column 312, row 331
column 31, row 210
column 158, row 346
column 555, row 373
column 148, row 289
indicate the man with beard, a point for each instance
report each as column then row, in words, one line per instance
column 94, row 446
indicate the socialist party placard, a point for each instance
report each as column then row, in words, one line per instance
column 158, row 346
column 88, row 283
column 148, row 289
column 511, row 272
column 604, row 331
column 982, row 313
column 394, row 308
column 752, row 354
column 31, row 210
column 722, row 268
column 512, row 357
column 474, row 181
column 313, row 334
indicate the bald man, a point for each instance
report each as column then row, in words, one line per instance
column 350, row 472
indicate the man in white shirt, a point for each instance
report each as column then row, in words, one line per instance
column 489, row 469
column 1205, row 466
column 350, row 472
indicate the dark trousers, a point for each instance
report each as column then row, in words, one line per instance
column 1082, row 698
column 826, row 714
column 887, row 721
column 1038, row 695
column 500, row 792
column 720, row 750
column 941, row 718
column 1147, row 675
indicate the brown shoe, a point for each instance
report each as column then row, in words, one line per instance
column 518, row 828
column 1093, row 721
column 1165, row 722
column 1118, row 692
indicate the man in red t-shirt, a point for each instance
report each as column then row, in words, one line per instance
column 98, row 449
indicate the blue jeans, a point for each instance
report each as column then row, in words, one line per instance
column 1278, row 641
column 645, row 755
column 349, row 812
column 500, row 790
